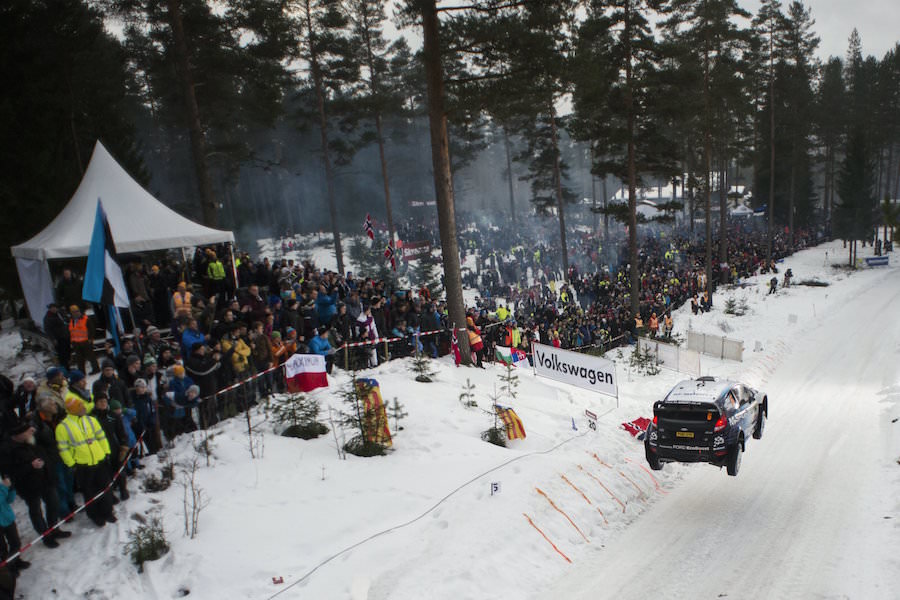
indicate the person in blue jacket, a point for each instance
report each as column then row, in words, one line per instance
column 326, row 305
column 9, row 534
column 319, row 345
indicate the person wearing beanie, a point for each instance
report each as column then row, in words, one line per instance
column 132, row 370
column 83, row 447
column 26, row 397
column 173, row 418
column 30, row 471
column 236, row 350
column 118, row 441
column 54, row 387
column 203, row 368
column 110, row 383
column 319, row 345
column 146, row 420
column 47, row 418
column 81, row 339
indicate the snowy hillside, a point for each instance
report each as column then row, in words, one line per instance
column 422, row 522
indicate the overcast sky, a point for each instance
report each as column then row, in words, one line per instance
column 878, row 22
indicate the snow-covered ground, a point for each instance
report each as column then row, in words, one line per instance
column 813, row 513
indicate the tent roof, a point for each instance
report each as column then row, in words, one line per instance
column 138, row 221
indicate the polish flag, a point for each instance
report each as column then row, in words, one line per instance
column 305, row 372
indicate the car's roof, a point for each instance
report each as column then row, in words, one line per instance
column 703, row 389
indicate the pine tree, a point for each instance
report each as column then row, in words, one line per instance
column 618, row 99
column 327, row 50
column 467, row 396
column 709, row 30
column 421, row 366
column 66, row 84
column 424, row 274
column 509, row 381
column 496, row 433
column 300, row 414
column 853, row 215
column 397, row 413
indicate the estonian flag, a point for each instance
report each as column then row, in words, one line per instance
column 103, row 281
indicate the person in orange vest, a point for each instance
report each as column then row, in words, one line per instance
column 475, row 343
column 81, row 338
column 669, row 324
column 654, row 325
column 181, row 301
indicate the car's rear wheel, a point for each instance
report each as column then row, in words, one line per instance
column 734, row 460
column 652, row 459
column 760, row 425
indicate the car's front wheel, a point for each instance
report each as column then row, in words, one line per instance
column 760, row 425
column 734, row 459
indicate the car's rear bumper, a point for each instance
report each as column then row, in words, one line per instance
column 688, row 454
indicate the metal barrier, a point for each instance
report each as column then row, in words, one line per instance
column 671, row 356
column 716, row 345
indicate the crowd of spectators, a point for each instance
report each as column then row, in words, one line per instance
column 204, row 325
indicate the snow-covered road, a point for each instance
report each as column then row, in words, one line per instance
column 809, row 515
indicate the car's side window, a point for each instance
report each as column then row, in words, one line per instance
column 732, row 399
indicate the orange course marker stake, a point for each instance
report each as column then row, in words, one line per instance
column 583, row 495
column 544, row 535
column 574, row 487
column 629, row 480
column 591, row 475
column 560, row 511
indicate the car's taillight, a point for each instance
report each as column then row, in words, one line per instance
column 720, row 424
column 655, row 418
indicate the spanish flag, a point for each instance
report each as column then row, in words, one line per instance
column 376, row 422
column 515, row 429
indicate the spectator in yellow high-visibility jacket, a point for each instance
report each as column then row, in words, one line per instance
column 84, row 447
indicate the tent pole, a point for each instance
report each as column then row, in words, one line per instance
column 234, row 268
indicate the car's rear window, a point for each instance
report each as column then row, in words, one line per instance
column 687, row 412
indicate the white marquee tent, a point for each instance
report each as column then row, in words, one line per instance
column 138, row 223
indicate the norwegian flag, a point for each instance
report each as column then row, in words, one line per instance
column 454, row 345
column 389, row 254
column 370, row 231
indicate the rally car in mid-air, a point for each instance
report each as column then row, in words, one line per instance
column 705, row 420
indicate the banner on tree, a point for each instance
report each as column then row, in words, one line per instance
column 376, row 422
column 416, row 250
column 305, row 372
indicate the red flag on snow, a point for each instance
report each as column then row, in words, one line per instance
column 305, row 372
column 637, row 426
column 454, row 345
column 389, row 254
column 370, row 231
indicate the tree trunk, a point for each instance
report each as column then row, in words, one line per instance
column 323, row 130
column 605, row 216
column 723, row 214
column 384, row 176
column 634, row 276
column 557, row 176
column 509, row 173
column 887, row 171
column 770, row 209
column 826, row 190
column 198, row 139
column 707, row 167
column 791, row 187
column 443, row 182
